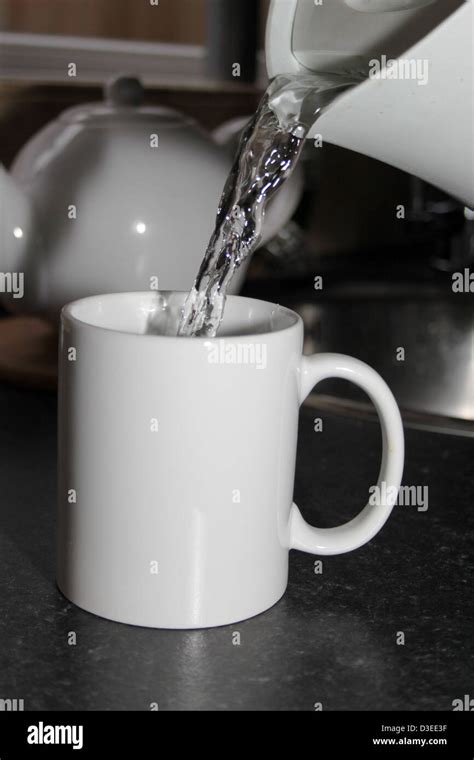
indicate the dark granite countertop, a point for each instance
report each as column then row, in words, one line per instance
column 331, row 640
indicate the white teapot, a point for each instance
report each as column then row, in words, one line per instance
column 113, row 196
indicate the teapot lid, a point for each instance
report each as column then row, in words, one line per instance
column 123, row 99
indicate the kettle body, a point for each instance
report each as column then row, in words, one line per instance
column 415, row 108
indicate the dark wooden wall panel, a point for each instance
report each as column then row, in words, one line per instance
column 179, row 21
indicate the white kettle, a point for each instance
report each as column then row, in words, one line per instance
column 415, row 109
column 114, row 196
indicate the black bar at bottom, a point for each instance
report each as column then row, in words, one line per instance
column 330, row 734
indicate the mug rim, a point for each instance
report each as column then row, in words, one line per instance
column 67, row 314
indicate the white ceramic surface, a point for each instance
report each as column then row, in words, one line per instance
column 424, row 129
column 190, row 525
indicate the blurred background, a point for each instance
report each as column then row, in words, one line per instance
column 387, row 283
column 181, row 22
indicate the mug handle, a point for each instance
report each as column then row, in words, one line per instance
column 362, row 528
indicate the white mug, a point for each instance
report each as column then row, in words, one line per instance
column 177, row 460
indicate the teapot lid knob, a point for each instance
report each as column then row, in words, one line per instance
column 124, row 91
